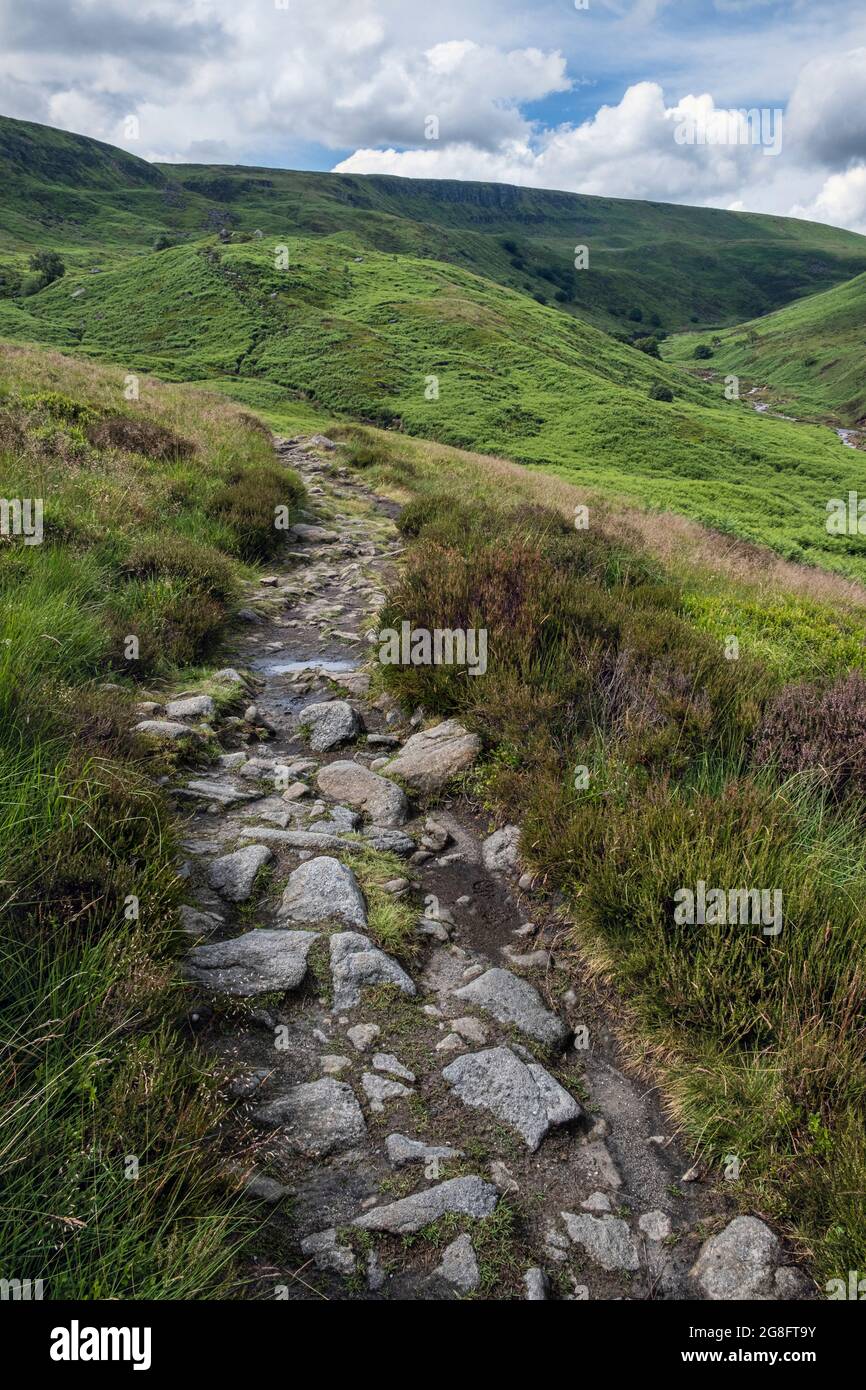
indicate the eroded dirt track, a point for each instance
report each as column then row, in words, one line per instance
column 427, row 1129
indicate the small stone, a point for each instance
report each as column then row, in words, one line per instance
column 328, row 1254
column 739, row 1262
column 375, row 1272
column 270, row 581
column 472, row 1029
column 525, row 882
column 191, row 707
column 386, row 1061
column 535, row 1282
column 379, row 1089
column 329, row 723
column 363, row 1035
column 459, row 1265
column 401, row 1151
column 356, row 964
column 251, row 714
column 656, row 1225
column 377, row 797
column 503, row 1177
column 234, row 874
column 265, row 1189
column 606, row 1239
column 429, row 759
column 597, row 1201
column 332, row 1063
column 317, row 1118
column 296, row 791
column 514, row 1001
column 526, row 1098
column 396, row 885
column 500, row 851
column 452, row 1042
column 323, row 889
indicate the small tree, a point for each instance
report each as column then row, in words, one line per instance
column 48, row 266
column 661, row 393
column 702, row 352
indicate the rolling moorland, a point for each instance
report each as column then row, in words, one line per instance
column 809, row 355
column 607, row 644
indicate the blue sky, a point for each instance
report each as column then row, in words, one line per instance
column 537, row 93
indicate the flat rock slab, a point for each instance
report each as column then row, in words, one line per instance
column 511, row 1000
column 169, row 730
column 379, row 799
column 317, row 1118
column 388, row 840
column 402, row 1150
column 252, row 964
column 524, row 1097
column 606, row 1239
column 321, row 890
column 329, row 723
column 379, row 1089
column 428, row 759
column 738, row 1263
column 226, row 793
column 466, row 1196
column 233, row 875
column 357, row 964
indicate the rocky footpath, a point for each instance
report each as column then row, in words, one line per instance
column 437, row 1102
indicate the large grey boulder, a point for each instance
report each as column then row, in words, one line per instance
column 329, row 723
column 323, row 889
column 739, row 1262
column 524, row 1097
column 467, row 1196
column 514, row 1001
column 317, row 1118
column 167, row 730
column 500, row 851
column 233, row 875
column 428, row 759
column 380, row 800
column 606, row 1239
column 191, row 707
column 252, row 964
column 357, row 964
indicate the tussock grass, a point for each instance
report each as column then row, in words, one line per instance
column 97, row 1069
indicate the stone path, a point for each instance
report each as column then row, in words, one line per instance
column 425, row 1126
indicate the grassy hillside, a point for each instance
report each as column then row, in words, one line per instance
column 151, row 510
column 364, row 335
column 699, row 768
column 811, row 355
column 673, row 265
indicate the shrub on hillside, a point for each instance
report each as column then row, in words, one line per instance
column 806, row 729
column 660, row 393
column 139, row 437
column 648, row 345
column 248, row 505
column 702, row 352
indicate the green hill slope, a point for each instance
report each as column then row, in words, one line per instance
column 811, row 354
column 443, row 353
column 674, row 265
